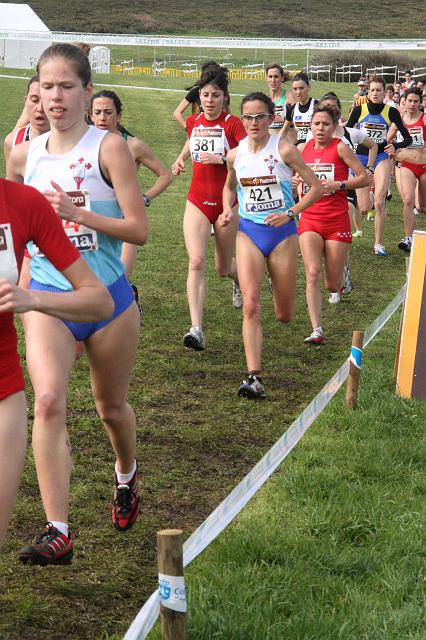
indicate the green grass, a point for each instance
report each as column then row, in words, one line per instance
column 248, row 18
column 334, row 545
column 195, row 439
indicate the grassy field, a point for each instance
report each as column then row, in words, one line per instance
column 251, row 18
column 196, row 440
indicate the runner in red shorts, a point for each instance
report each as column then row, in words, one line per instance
column 211, row 135
column 324, row 228
column 26, row 215
column 412, row 176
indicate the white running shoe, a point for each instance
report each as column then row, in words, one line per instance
column 334, row 297
column 405, row 244
column 380, row 251
column 237, row 296
column 194, row 339
column 357, row 234
column 316, row 337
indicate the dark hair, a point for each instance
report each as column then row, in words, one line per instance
column 218, row 77
column 323, row 109
column 390, row 87
column 415, row 90
column 73, row 54
column 378, row 79
column 206, row 70
column 408, row 71
column 105, row 93
column 301, row 76
column 34, row 78
column 262, row 97
column 330, row 95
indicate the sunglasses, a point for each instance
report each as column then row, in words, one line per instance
column 255, row 117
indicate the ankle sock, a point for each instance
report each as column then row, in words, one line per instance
column 124, row 478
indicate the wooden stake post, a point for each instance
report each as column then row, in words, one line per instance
column 170, row 565
column 354, row 371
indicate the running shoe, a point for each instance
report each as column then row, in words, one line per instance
column 194, row 339
column 416, row 211
column 405, row 244
column 371, row 215
column 237, row 296
column 316, row 337
column 357, row 234
column 347, row 281
column 125, row 505
column 389, row 195
column 252, row 388
column 334, row 297
column 137, row 299
column 380, row 251
column 49, row 547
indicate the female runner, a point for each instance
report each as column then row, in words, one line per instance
column 300, row 114
column 275, row 77
column 106, row 113
column 90, row 179
column 324, row 228
column 193, row 96
column 26, row 215
column 260, row 169
column 212, row 134
column 412, row 176
column 374, row 118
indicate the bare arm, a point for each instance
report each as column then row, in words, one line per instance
column 360, row 178
column 179, row 164
column 90, row 301
column 142, row 154
column 180, row 110
column 372, row 150
column 229, row 190
column 119, row 167
column 292, row 157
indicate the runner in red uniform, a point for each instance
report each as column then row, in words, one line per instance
column 211, row 136
column 26, row 215
column 37, row 121
column 324, row 228
column 412, row 176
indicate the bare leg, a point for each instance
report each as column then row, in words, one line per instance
column 282, row 267
column 196, row 230
column 408, row 192
column 381, row 184
column 312, row 248
column 128, row 257
column 50, row 357
column 336, row 255
column 13, row 440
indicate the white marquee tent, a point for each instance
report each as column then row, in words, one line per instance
column 20, row 20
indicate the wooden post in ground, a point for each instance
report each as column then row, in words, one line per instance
column 171, row 582
column 352, row 386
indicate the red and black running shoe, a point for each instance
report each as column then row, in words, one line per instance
column 125, row 505
column 49, row 547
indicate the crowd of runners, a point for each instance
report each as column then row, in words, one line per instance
column 287, row 174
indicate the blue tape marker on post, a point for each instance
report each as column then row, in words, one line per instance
column 356, row 357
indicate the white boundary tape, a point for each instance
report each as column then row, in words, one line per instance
column 219, row 519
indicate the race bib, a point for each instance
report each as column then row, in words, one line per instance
column 279, row 117
column 375, row 130
column 8, row 265
column 302, row 128
column 206, row 140
column 322, row 172
column 417, row 135
column 83, row 238
column 262, row 193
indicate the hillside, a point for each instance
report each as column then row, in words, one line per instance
column 292, row 19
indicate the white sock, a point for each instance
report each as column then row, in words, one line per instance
column 61, row 526
column 319, row 329
column 124, row 478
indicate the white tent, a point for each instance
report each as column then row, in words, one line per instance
column 16, row 20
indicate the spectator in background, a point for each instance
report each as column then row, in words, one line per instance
column 398, row 87
column 389, row 94
column 409, row 81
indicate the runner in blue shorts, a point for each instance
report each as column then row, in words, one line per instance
column 260, row 171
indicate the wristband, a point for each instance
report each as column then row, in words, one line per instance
column 342, row 186
column 146, row 199
column 290, row 214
